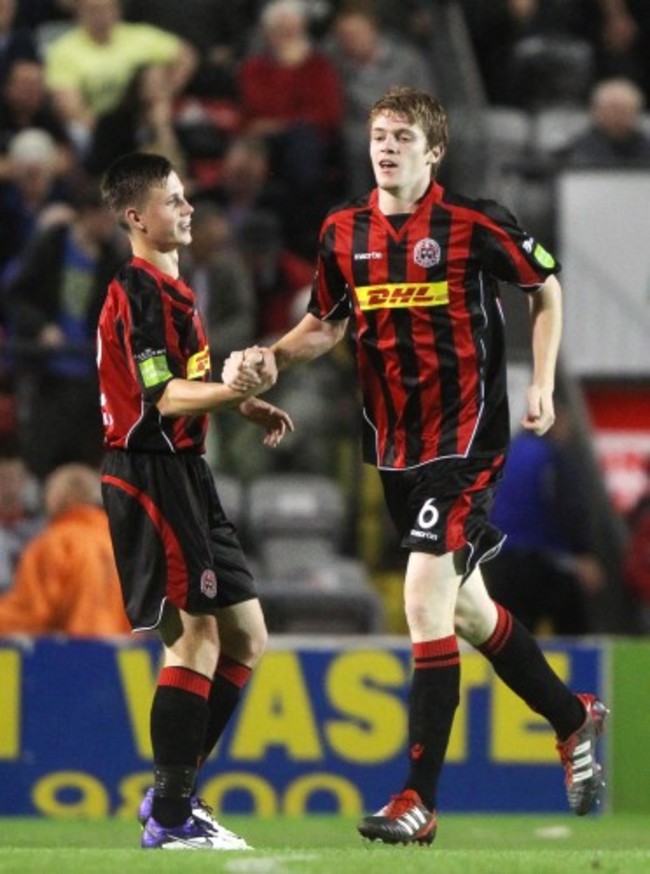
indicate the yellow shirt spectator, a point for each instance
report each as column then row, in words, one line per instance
column 102, row 72
column 89, row 67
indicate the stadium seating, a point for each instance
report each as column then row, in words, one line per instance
column 295, row 526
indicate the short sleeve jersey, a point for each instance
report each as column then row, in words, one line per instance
column 149, row 332
column 428, row 323
column 103, row 72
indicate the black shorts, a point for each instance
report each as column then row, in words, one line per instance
column 443, row 507
column 171, row 538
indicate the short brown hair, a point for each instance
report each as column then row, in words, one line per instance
column 417, row 107
column 129, row 179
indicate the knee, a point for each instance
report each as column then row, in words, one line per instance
column 467, row 627
column 258, row 642
column 426, row 622
column 245, row 645
column 473, row 625
column 417, row 616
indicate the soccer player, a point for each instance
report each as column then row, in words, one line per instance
column 416, row 267
column 180, row 564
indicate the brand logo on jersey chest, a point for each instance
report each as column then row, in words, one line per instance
column 426, row 252
column 395, row 296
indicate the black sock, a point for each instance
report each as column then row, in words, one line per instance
column 179, row 715
column 433, row 700
column 520, row 663
column 229, row 681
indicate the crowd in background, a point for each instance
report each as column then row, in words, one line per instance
column 262, row 106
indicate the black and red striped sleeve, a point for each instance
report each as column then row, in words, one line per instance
column 508, row 252
column 330, row 299
column 148, row 334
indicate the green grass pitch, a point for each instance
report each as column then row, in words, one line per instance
column 466, row 844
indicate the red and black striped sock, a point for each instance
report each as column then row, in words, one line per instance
column 520, row 663
column 179, row 715
column 433, row 699
column 229, row 680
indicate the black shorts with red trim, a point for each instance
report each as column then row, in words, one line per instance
column 171, row 538
column 444, row 506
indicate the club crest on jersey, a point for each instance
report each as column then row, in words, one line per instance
column 426, row 252
column 209, row 583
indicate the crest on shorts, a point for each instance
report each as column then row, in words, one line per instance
column 426, row 252
column 209, row 583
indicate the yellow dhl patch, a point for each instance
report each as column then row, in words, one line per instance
column 397, row 295
column 199, row 364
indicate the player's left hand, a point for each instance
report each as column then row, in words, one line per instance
column 540, row 411
column 250, row 369
column 275, row 421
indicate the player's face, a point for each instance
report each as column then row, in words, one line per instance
column 399, row 153
column 166, row 219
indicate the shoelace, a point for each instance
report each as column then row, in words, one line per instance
column 566, row 749
column 399, row 804
column 199, row 802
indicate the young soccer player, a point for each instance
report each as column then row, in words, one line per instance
column 417, row 267
column 180, row 564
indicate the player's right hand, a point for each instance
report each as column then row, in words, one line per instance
column 250, row 369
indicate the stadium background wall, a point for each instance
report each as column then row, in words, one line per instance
column 322, row 728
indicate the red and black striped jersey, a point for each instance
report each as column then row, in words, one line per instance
column 149, row 333
column 427, row 319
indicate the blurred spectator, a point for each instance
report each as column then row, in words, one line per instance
column 636, row 564
column 8, row 415
column 53, row 304
column 66, row 581
column 245, row 182
column 19, row 521
column 143, row 121
column 221, row 282
column 16, row 42
column 291, row 96
column 615, row 137
column 278, row 274
column 322, row 400
column 247, row 185
column 208, row 114
column 89, row 67
column 215, row 28
column 25, row 103
column 369, row 61
column 547, row 568
column 531, row 51
column 32, row 196
column 620, row 33
column 32, row 13
column 411, row 19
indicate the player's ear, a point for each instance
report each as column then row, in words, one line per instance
column 133, row 218
column 435, row 154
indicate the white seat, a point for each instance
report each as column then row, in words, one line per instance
column 507, row 131
column 556, row 127
column 292, row 504
column 231, row 494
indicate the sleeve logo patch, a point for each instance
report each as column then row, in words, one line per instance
column 401, row 296
column 198, row 364
column 543, row 257
column 154, row 370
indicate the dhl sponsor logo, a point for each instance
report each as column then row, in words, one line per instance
column 199, row 364
column 400, row 295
